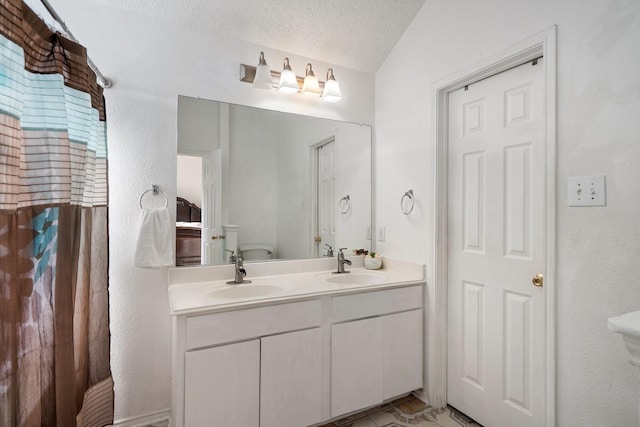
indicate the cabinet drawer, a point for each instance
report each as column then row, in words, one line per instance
column 219, row 328
column 358, row 306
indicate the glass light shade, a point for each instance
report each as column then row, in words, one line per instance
column 262, row 79
column 310, row 85
column 288, row 81
column 331, row 92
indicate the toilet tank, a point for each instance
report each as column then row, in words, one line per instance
column 256, row 252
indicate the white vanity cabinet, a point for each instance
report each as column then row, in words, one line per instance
column 270, row 382
column 297, row 362
column 356, row 365
column 402, row 353
column 376, row 348
column 222, row 385
column 243, row 368
column 291, row 379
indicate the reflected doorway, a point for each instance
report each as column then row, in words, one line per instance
column 188, row 210
column 325, row 212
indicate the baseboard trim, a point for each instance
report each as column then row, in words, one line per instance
column 420, row 394
column 160, row 418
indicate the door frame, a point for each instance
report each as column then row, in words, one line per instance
column 540, row 44
column 312, row 147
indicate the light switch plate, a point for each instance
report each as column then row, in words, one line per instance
column 381, row 233
column 368, row 233
column 587, row 191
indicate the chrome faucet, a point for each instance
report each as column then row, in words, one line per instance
column 329, row 250
column 341, row 262
column 232, row 257
column 240, row 272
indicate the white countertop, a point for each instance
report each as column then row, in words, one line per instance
column 200, row 289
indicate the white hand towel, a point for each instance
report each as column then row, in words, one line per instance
column 153, row 247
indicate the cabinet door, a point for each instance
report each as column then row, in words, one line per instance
column 291, row 379
column 402, row 353
column 222, row 386
column 356, row 365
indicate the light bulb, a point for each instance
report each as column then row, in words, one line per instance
column 311, row 85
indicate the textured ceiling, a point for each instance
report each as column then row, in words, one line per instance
column 357, row 34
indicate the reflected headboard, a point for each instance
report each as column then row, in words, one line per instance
column 187, row 211
column 188, row 231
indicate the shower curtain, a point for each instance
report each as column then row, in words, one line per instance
column 54, row 313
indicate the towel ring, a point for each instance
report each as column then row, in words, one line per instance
column 345, row 205
column 407, row 207
column 155, row 190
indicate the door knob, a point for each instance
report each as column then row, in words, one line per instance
column 317, row 239
column 538, row 280
column 221, row 237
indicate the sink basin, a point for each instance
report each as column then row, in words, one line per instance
column 245, row 291
column 357, row 279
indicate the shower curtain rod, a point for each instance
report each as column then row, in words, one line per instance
column 102, row 80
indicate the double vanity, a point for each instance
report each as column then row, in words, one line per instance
column 297, row 346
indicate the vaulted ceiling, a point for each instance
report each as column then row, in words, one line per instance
column 357, row 34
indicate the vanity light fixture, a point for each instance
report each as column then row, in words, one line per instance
column 261, row 77
column 262, row 80
column 331, row 92
column 311, row 85
column 288, row 81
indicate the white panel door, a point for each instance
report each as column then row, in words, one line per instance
column 291, row 379
column 496, row 239
column 212, row 243
column 356, row 365
column 327, row 207
column 222, row 386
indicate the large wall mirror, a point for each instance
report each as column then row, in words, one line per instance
column 268, row 185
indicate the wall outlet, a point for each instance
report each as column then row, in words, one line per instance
column 381, row 233
column 587, row 191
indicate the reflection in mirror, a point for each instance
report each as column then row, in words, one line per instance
column 268, row 185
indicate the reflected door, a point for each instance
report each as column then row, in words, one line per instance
column 212, row 234
column 496, row 237
column 326, row 197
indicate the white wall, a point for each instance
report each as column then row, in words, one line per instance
column 598, row 109
column 253, row 175
column 189, row 179
column 198, row 126
column 151, row 63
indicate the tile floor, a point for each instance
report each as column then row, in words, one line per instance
column 405, row 412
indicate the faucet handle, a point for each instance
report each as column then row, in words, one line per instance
column 329, row 250
column 232, row 257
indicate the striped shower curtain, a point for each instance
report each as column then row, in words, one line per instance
column 54, row 313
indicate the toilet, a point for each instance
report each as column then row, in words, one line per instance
column 256, row 252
